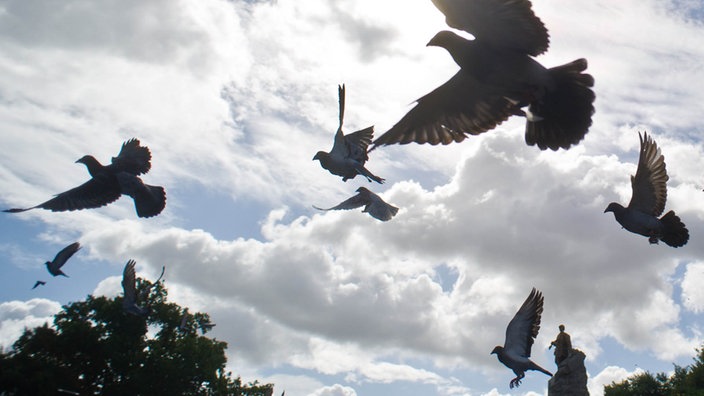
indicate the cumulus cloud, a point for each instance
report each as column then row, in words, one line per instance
column 692, row 291
column 16, row 316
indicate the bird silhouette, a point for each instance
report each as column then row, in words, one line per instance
column 349, row 152
column 54, row 266
column 373, row 204
column 649, row 193
column 109, row 182
column 38, row 283
column 520, row 334
column 129, row 288
column 497, row 78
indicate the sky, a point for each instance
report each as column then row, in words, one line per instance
column 234, row 98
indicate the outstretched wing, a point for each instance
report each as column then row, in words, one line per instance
column 524, row 326
column 133, row 158
column 65, row 254
column 357, row 143
column 94, row 193
column 129, row 286
column 650, row 182
column 502, row 23
column 149, row 200
column 459, row 107
column 356, row 201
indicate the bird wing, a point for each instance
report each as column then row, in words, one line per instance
column 502, row 23
column 65, row 254
column 381, row 210
column 149, row 200
column 133, row 158
column 524, row 326
column 356, row 201
column 461, row 106
column 129, row 286
column 650, row 182
column 94, row 193
column 357, row 143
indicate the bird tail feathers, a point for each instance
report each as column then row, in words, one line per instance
column 563, row 115
column 538, row 368
column 674, row 232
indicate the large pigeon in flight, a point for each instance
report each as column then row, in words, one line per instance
column 109, row 182
column 497, row 78
column 648, row 200
column 130, row 301
column 520, row 335
column 349, row 152
column 54, row 266
column 373, row 204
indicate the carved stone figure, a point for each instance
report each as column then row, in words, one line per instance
column 562, row 344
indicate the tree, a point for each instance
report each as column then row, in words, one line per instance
column 685, row 381
column 95, row 347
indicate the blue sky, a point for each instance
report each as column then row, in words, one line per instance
column 235, row 97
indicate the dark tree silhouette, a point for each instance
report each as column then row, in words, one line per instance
column 95, row 348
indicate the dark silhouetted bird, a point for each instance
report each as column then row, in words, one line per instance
column 109, row 182
column 373, row 204
column 129, row 288
column 206, row 326
column 520, row 335
column 648, row 200
column 54, row 267
column 497, row 78
column 349, row 152
column 38, row 283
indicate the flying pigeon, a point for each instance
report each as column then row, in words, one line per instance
column 497, row 78
column 373, row 204
column 206, row 326
column 54, row 267
column 129, row 287
column 520, row 333
column 349, row 152
column 184, row 322
column 109, row 182
column 648, row 200
column 38, row 283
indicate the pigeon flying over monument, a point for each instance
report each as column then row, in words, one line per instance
column 520, row 335
column 373, row 204
column 109, row 182
column 648, row 198
column 54, row 267
column 349, row 152
column 498, row 77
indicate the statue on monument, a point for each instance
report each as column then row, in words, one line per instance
column 562, row 344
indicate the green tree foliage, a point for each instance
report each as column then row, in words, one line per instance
column 685, row 381
column 96, row 348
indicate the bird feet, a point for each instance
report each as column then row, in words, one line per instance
column 653, row 238
column 516, row 382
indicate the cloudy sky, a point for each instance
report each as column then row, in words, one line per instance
column 235, row 97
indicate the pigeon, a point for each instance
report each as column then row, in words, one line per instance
column 520, row 333
column 109, row 182
column 54, row 267
column 38, row 283
column 648, row 200
column 129, row 287
column 184, row 322
column 349, row 152
column 497, row 78
column 373, row 204
column 206, row 326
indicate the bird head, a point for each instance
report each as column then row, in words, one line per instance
column 497, row 349
column 86, row 159
column 319, row 155
column 613, row 207
column 444, row 39
column 363, row 189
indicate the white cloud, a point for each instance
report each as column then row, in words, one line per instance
column 608, row 375
column 16, row 316
column 692, row 291
column 334, row 390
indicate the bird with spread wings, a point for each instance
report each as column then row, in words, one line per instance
column 498, row 77
column 54, row 266
column 349, row 152
column 520, row 334
column 373, row 204
column 649, row 193
column 109, row 182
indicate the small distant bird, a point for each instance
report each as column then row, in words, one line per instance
column 373, row 204
column 648, row 198
column 54, row 267
column 498, row 77
column 206, row 326
column 349, row 152
column 184, row 321
column 38, row 283
column 520, row 335
column 109, row 182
